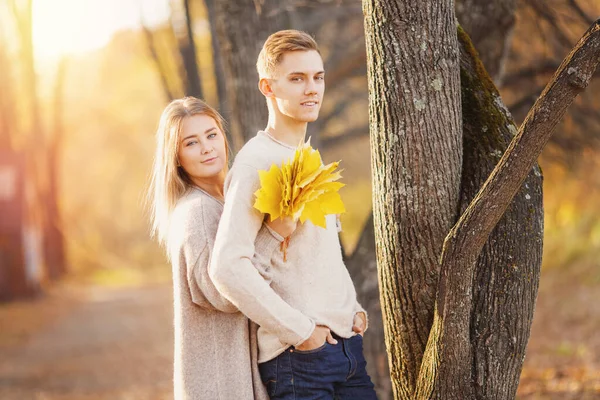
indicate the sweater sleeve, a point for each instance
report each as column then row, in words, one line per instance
column 202, row 289
column 190, row 233
column 232, row 270
column 197, row 251
column 357, row 309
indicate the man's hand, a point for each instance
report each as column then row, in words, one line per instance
column 283, row 226
column 317, row 339
column 360, row 323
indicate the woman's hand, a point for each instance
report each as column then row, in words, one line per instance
column 283, row 226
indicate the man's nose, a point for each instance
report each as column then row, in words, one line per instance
column 311, row 87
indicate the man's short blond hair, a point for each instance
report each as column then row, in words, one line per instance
column 280, row 43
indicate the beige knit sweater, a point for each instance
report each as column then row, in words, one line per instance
column 215, row 355
column 312, row 287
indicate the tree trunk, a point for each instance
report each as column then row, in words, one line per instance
column 7, row 103
column 217, row 62
column 446, row 372
column 182, row 27
column 490, row 24
column 54, row 237
column 508, row 269
column 242, row 28
column 416, row 145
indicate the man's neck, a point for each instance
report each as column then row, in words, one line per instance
column 290, row 132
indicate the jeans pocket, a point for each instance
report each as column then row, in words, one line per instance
column 312, row 351
column 268, row 375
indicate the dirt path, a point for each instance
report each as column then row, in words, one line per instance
column 94, row 343
column 88, row 343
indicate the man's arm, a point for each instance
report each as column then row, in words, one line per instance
column 231, row 267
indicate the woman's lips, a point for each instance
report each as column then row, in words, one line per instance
column 209, row 160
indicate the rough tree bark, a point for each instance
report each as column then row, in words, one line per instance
column 242, row 28
column 507, row 270
column 416, row 143
column 446, row 372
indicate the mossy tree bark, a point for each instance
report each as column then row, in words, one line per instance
column 507, row 272
column 488, row 284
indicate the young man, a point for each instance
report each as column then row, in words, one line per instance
column 311, row 325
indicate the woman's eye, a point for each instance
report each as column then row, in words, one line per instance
column 190, row 143
column 212, row 135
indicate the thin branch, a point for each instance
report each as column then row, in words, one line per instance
column 548, row 15
column 152, row 48
column 542, row 68
column 525, row 101
column 334, row 141
column 580, row 12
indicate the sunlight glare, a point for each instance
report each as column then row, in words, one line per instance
column 66, row 27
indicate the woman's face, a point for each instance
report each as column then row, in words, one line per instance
column 202, row 152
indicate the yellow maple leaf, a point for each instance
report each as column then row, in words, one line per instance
column 302, row 188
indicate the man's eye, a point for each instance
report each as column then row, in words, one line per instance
column 320, row 78
column 296, row 79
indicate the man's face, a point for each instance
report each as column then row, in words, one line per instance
column 298, row 85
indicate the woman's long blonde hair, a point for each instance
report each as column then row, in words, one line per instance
column 169, row 181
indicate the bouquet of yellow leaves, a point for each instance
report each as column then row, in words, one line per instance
column 303, row 189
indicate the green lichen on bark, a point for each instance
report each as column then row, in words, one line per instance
column 484, row 115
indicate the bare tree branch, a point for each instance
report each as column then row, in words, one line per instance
column 333, row 141
column 152, row 48
column 580, row 12
column 548, row 15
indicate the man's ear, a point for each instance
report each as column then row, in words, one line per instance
column 265, row 87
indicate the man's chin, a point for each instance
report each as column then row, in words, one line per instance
column 310, row 117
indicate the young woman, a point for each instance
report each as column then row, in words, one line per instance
column 215, row 345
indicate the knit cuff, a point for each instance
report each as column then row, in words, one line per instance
column 359, row 308
column 268, row 240
column 275, row 234
column 307, row 334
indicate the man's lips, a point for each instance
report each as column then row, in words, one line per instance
column 310, row 103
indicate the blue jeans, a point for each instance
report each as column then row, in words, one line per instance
column 330, row 372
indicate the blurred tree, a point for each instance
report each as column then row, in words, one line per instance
column 54, row 235
column 547, row 33
column 241, row 29
column 178, row 70
column 7, row 102
column 490, row 24
column 41, row 164
column 181, row 21
column 483, row 301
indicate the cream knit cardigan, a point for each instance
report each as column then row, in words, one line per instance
column 215, row 355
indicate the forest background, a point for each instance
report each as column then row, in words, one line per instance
column 82, row 85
